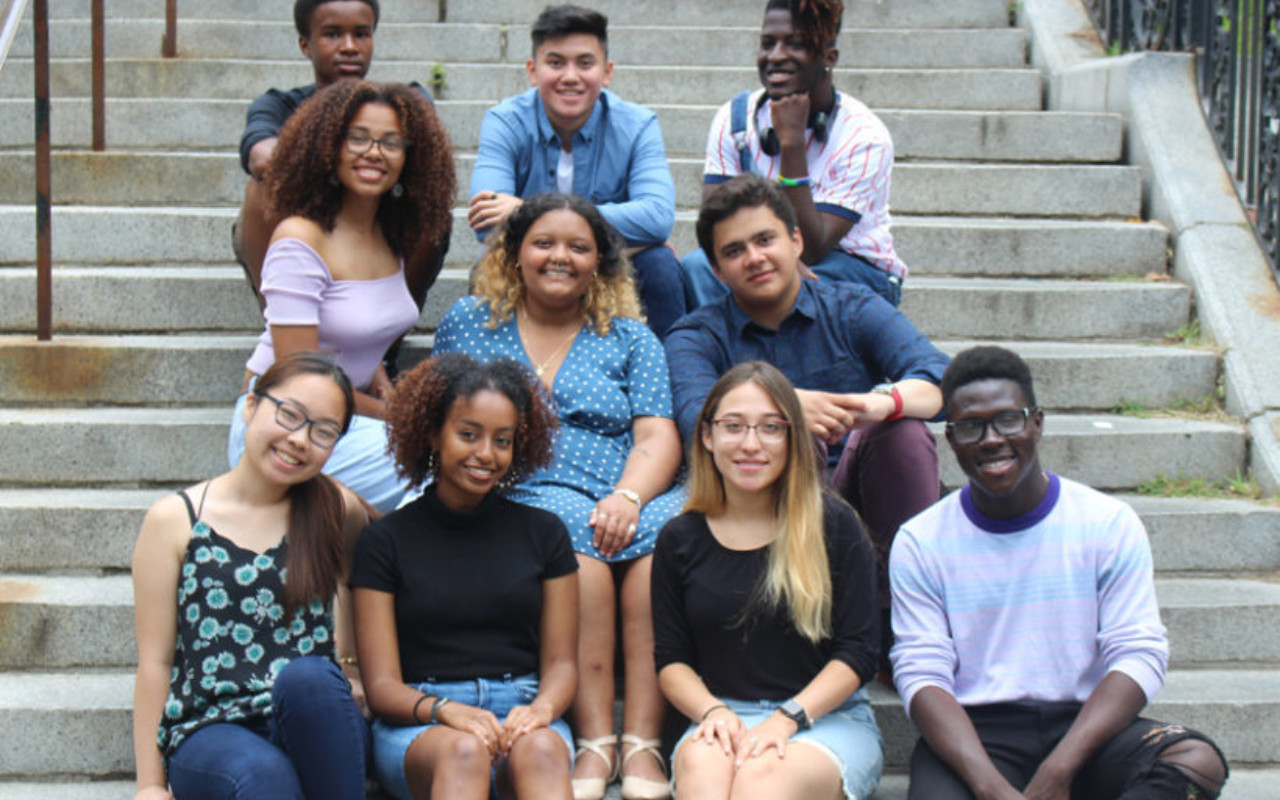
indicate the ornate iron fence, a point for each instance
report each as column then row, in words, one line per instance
column 1237, row 44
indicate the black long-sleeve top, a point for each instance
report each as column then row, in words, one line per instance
column 700, row 589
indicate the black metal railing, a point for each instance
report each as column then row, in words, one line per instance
column 1237, row 44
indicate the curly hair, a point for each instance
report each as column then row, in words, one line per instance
column 817, row 21
column 298, row 178
column 611, row 294
column 987, row 362
column 423, row 396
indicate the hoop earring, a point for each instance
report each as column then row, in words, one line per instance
column 397, row 191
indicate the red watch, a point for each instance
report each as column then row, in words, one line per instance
column 891, row 390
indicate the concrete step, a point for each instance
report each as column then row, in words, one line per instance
column 862, row 13
column 144, row 446
column 60, row 622
column 1033, row 308
column 199, row 369
column 118, row 300
column 85, row 621
column 1010, row 89
column 152, row 178
column 112, row 446
column 1053, row 136
column 58, row 530
column 650, row 43
column 79, row 717
column 1220, row 621
column 1246, row 783
column 979, row 246
column 1121, row 453
column 987, row 247
column 1197, row 535
column 78, row 530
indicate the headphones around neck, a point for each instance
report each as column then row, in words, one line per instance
column 819, row 123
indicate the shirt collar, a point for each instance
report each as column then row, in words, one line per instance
column 1013, row 524
column 806, row 305
column 586, row 133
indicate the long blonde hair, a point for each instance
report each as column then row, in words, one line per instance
column 612, row 292
column 797, row 572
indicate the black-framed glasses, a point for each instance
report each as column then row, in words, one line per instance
column 771, row 430
column 1005, row 423
column 288, row 416
column 360, row 142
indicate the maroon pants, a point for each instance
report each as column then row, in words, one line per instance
column 888, row 473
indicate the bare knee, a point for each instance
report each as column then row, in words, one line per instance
column 1199, row 762
column 540, row 751
column 703, row 770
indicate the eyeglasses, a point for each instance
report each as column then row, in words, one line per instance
column 1005, row 423
column 288, row 416
column 771, row 431
column 360, row 142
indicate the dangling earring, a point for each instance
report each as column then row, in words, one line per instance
column 397, row 191
column 506, row 481
column 433, row 464
column 333, row 179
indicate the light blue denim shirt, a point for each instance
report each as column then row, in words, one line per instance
column 619, row 162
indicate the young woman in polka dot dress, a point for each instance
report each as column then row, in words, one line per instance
column 556, row 293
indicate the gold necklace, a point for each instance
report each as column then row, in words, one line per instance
column 540, row 368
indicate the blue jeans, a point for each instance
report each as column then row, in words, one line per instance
column 314, row 745
column 702, row 286
column 661, row 284
column 498, row 695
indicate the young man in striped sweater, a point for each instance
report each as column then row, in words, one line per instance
column 1027, row 636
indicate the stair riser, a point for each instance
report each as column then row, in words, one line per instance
column 491, row 42
column 858, row 13
column 90, row 742
column 1012, row 90
column 150, row 372
column 153, row 179
column 959, row 135
column 119, row 302
column 931, row 246
column 192, row 447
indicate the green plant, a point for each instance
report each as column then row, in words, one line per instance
column 437, row 80
column 1187, row 333
column 1130, row 408
column 1239, row 487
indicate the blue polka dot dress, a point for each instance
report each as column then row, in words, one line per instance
column 603, row 384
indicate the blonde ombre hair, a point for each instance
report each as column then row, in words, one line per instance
column 612, row 292
column 797, row 573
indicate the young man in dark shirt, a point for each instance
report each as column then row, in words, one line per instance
column 867, row 378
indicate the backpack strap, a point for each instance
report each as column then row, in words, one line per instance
column 738, row 128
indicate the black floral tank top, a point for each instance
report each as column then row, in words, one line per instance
column 233, row 639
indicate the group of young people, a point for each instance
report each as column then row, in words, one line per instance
column 460, row 554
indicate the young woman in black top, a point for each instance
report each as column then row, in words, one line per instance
column 467, row 603
column 764, row 609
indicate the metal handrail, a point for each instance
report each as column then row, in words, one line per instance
column 14, row 9
column 1237, row 44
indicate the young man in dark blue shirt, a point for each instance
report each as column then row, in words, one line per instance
column 867, row 378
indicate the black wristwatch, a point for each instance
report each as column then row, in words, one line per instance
column 796, row 713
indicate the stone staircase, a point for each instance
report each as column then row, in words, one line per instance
column 1021, row 226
